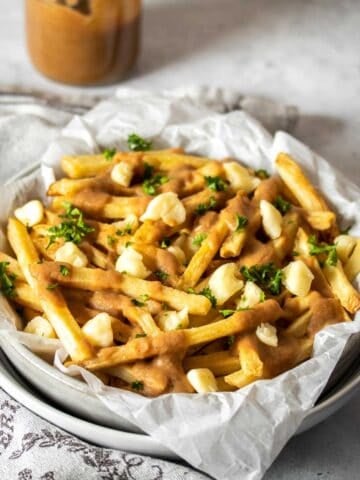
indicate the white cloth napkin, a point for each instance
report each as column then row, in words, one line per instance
column 30, row 447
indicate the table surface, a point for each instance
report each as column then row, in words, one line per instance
column 303, row 52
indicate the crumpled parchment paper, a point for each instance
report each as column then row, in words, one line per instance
column 227, row 435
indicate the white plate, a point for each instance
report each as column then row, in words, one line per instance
column 13, row 384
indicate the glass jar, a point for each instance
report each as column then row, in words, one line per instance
column 83, row 42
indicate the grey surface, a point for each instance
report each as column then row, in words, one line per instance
column 299, row 51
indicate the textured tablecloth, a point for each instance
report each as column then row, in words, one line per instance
column 30, row 447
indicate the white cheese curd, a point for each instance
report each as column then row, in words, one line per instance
column 224, row 282
column 131, row 262
column 297, row 278
column 41, row 327
column 267, row 334
column 202, row 380
column 178, row 253
column 98, row 330
column 252, row 295
column 31, row 213
column 122, row 174
column 239, row 177
column 131, row 222
column 344, row 246
column 166, row 207
column 271, row 219
column 172, row 320
column 71, row 253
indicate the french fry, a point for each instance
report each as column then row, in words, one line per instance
column 92, row 278
column 52, row 302
column 352, row 266
column 342, row 288
column 220, row 363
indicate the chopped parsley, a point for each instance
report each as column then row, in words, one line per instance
column 127, row 230
column 282, row 205
column 205, row 207
column 199, row 238
column 323, row 248
column 241, row 222
column 64, row 270
column 138, row 144
column 72, row 229
column 140, row 335
column 262, row 297
column 266, row 276
column 227, row 312
column 148, row 171
column 140, row 302
column 217, row 184
column 128, row 244
column 262, row 173
column 165, row 242
column 191, row 291
column 138, row 385
column 209, row 295
column 161, row 275
column 111, row 240
column 151, row 185
column 109, row 154
column 52, row 286
column 7, row 279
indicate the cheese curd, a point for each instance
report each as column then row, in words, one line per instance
column 297, row 278
column 131, row 262
column 122, row 174
column 40, row 326
column 172, row 320
column 131, row 222
column 98, row 331
column 224, row 283
column 239, row 177
column 252, row 295
column 271, row 219
column 166, row 207
column 71, row 253
column 202, row 380
column 267, row 334
column 31, row 213
column 344, row 246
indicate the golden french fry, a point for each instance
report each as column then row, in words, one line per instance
column 342, row 288
column 352, row 266
column 220, row 363
column 51, row 300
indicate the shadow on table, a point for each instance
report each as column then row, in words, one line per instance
column 179, row 30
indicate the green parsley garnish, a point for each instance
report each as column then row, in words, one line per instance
column 266, row 276
column 64, row 270
column 262, row 297
column 138, row 144
column 165, row 242
column 52, row 286
column 191, row 290
column 111, row 240
column 217, row 184
column 140, row 335
column 241, row 222
column 199, row 238
column 128, row 244
column 140, row 302
column 7, row 279
column 127, row 230
column 137, row 385
column 262, row 173
column 148, row 171
column 161, row 275
column 209, row 295
column 282, row 205
column 227, row 312
column 323, row 248
column 72, row 229
column 151, row 185
column 109, row 153
column 205, row 207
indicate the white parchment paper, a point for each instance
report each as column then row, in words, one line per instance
column 230, row 436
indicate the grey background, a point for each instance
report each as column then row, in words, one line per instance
column 304, row 52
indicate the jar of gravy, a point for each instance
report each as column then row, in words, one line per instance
column 83, row 42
